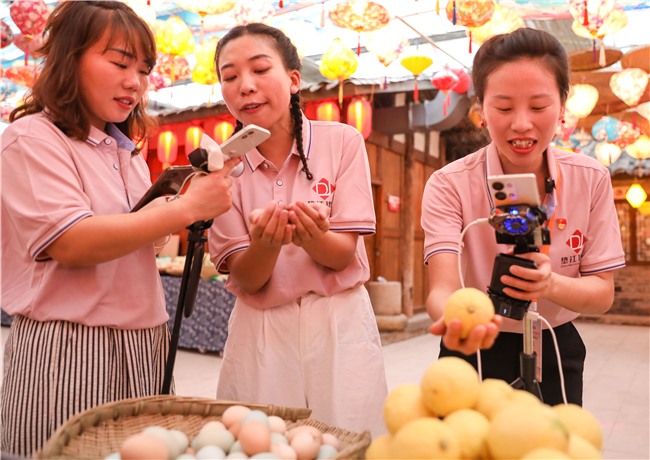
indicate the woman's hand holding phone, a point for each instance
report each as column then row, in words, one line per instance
column 481, row 337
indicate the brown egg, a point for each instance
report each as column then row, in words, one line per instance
column 234, row 429
column 277, row 424
column 299, row 429
column 213, row 425
column 255, row 438
column 331, row 440
column 143, row 447
column 306, row 445
column 234, row 414
column 284, row 451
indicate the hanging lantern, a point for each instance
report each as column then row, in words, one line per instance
column 143, row 9
column 247, row 11
column 205, row 7
column 583, row 100
column 29, row 16
column 564, row 130
column 640, row 149
column 607, row 153
column 301, row 33
column 23, row 75
column 29, row 44
column 338, row 63
column 636, row 196
column 7, row 89
column 360, row 116
column 175, row 38
column 222, row 131
column 157, row 81
column 629, row 85
column 581, row 138
column 192, row 139
column 644, row 110
column 470, row 13
column 591, row 14
column 204, row 53
column 204, row 76
column 328, row 111
column 174, row 68
column 614, row 22
column 503, row 21
column 464, row 81
column 605, row 129
column 167, row 148
column 387, row 43
column 445, row 80
column 416, row 64
column 5, row 111
column 627, row 134
column 360, row 16
column 6, row 35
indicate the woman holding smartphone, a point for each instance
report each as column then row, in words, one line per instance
column 78, row 270
column 521, row 80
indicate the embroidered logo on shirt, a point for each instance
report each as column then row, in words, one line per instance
column 324, row 189
column 576, row 241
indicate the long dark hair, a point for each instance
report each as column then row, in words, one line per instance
column 73, row 28
column 521, row 44
column 291, row 61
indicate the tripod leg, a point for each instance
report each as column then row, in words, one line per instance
column 195, row 278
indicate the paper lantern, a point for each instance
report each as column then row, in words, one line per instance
column 175, row 38
column 6, row 35
column 581, row 138
column 157, row 81
column 644, row 110
column 627, row 134
column 464, row 81
column 328, row 111
column 636, row 196
column 607, row 153
column 174, row 68
column 591, row 14
column 192, row 139
column 204, row 76
column 640, row 149
column 564, row 130
column 360, row 16
column 360, row 116
column 143, row 9
column 338, row 63
column 583, row 100
column 503, row 21
column 445, row 80
column 614, row 22
column 387, row 43
column 23, row 75
column 416, row 64
column 301, row 33
column 205, row 7
column 7, row 89
column 247, row 11
column 470, row 13
column 222, row 131
column 167, row 148
column 28, row 44
column 629, row 85
column 605, row 129
column 5, row 111
column 29, row 16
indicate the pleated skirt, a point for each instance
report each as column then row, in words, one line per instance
column 56, row 369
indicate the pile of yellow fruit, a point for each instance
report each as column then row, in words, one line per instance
column 451, row 415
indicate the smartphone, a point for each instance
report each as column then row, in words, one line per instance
column 169, row 183
column 245, row 140
column 512, row 189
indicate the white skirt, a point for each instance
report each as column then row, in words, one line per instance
column 322, row 353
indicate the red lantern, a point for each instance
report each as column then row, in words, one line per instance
column 192, row 139
column 464, row 81
column 222, row 131
column 360, row 116
column 328, row 111
column 167, row 148
column 445, row 80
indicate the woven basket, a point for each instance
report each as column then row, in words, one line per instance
column 100, row 431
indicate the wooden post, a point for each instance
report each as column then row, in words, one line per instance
column 408, row 229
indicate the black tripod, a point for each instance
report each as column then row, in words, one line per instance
column 188, row 291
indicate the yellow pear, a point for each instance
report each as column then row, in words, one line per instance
column 449, row 384
column 545, row 454
column 403, row 405
column 581, row 422
column 380, row 448
column 425, row 438
column 471, row 428
column 492, row 396
column 471, row 306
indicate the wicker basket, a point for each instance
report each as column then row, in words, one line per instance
column 100, row 431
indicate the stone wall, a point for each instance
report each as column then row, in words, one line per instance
column 632, row 285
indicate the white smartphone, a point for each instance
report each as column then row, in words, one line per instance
column 242, row 142
column 510, row 189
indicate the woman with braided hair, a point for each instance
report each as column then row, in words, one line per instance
column 302, row 332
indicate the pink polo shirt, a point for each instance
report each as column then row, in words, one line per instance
column 49, row 183
column 336, row 156
column 590, row 243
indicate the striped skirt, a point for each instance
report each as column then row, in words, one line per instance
column 56, row 369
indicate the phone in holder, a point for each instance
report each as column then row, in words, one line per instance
column 511, row 189
column 169, row 183
column 245, row 140
column 503, row 304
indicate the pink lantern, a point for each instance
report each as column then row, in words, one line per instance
column 591, row 14
column 157, row 81
column 23, row 75
column 174, row 67
column 29, row 16
column 445, row 80
column 29, row 44
column 192, row 139
column 328, row 111
column 627, row 134
column 464, row 81
column 360, row 116
column 167, row 148
column 222, row 131
column 6, row 35
column 247, row 11
column 5, row 111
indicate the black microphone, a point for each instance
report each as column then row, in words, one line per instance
column 549, row 185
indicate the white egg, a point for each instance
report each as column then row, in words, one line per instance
column 211, row 453
column 113, row 456
column 180, row 438
column 213, row 425
column 186, row 457
column 277, row 438
column 284, row 451
column 161, row 433
column 277, row 425
column 266, row 455
column 326, row 451
column 236, row 448
column 237, row 455
column 256, row 415
column 220, row 437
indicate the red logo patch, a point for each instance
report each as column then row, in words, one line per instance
column 323, row 189
column 576, row 241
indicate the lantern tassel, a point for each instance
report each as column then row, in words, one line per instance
column 585, row 22
column 340, row 93
column 322, row 15
column 384, row 83
column 437, row 6
column 359, row 45
column 470, row 41
column 453, row 19
column 416, row 95
column 594, row 50
column 281, row 4
column 201, row 37
column 603, row 56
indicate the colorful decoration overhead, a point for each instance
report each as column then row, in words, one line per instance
column 360, row 16
column 7, row 89
column 629, row 85
column 360, row 116
column 29, row 44
column 205, row 7
column 416, row 64
column 204, row 53
column 470, row 13
column 583, row 100
column 174, row 68
column 607, row 153
column 192, row 139
column 591, row 14
column 328, row 111
column 627, row 134
column 247, row 11
column 204, row 75
column 464, row 81
column 503, row 21
column 143, row 9
column 445, row 80
column 615, row 21
column 301, row 33
column 640, row 149
column 387, row 43
column 167, row 148
column 175, row 38
column 606, row 129
column 222, row 131
column 29, row 16
column 5, row 111
column 6, row 35
column 644, row 110
column 23, row 75
column 338, row 63
column 157, row 80
column 636, row 196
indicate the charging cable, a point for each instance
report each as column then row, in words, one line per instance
column 187, row 179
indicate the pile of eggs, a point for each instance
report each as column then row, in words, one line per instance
column 242, row 433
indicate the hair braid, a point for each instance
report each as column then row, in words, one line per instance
column 238, row 127
column 296, row 114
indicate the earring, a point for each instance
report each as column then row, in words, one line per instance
column 562, row 121
column 482, row 123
